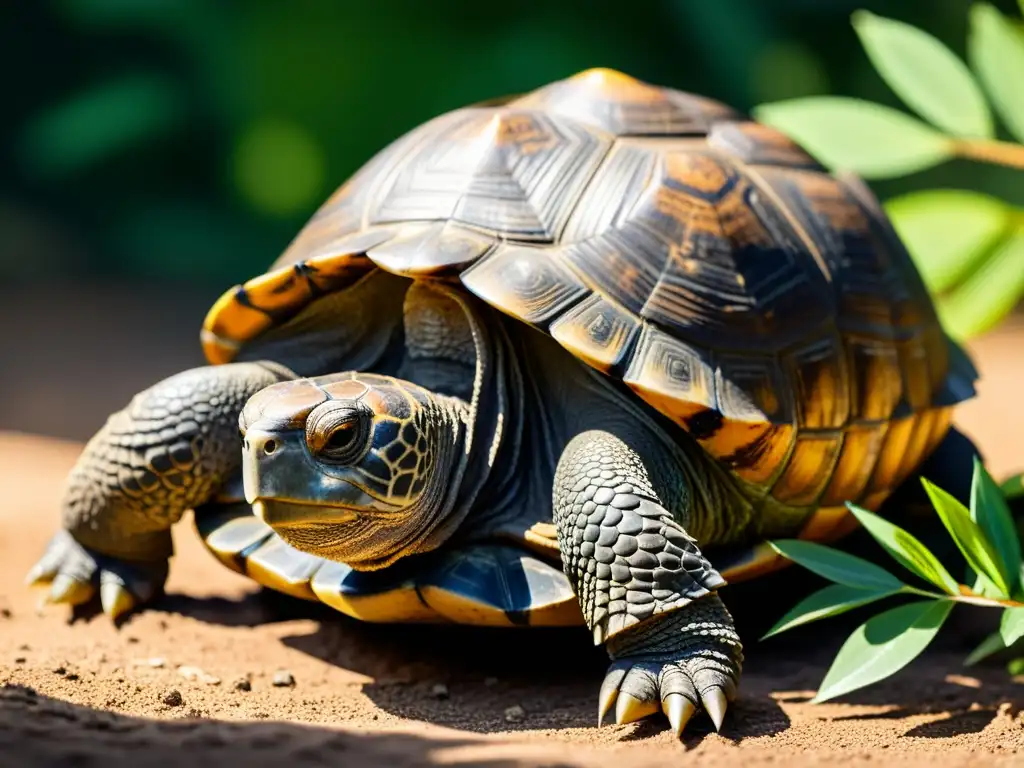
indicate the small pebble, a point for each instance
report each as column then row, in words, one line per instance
column 173, row 698
column 24, row 647
column 71, row 676
column 20, row 660
column 61, row 670
column 439, row 691
column 242, row 684
column 514, row 714
column 5, row 613
column 195, row 673
column 283, row 679
column 157, row 662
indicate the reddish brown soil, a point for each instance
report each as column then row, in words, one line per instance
column 84, row 693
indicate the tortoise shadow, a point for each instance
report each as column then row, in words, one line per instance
column 37, row 730
column 552, row 674
column 537, row 679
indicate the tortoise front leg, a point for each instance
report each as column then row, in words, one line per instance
column 646, row 591
column 169, row 450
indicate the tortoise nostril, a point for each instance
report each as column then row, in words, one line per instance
column 270, row 446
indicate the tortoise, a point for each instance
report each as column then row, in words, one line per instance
column 568, row 357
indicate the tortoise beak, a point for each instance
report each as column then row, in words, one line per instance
column 286, row 486
column 258, row 449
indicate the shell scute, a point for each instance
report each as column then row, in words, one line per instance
column 432, row 249
column 757, row 144
column 702, row 253
column 597, row 331
column 672, row 376
column 818, row 373
column 861, row 448
column 525, row 283
column 514, row 173
column 809, row 468
column 623, row 105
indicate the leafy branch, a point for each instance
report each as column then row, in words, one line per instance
column 968, row 246
column 985, row 534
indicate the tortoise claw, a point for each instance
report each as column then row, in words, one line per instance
column 609, row 691
column 678, row 709
column 715, row 705
column 37, row 575
column 67, row 589
column 115, row 599
column 629, row 708
column 605, row 704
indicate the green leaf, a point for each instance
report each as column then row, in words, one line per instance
column 1015, row 667
column 906, row 549
column 995, row 49
column 830, row 601
column 992, row 514
column 990, row 645
column 989, row 294
column 860, row 136
column 1011, row 628
column 100, row 122
column 1013, row 486
column 948, row 231
column 837, row 566
column 969, row 537
column 983, row 586
column 883, row 645
column 925, row 74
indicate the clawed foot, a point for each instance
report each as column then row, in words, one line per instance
column 679, row 663
column 677, row 688
column 74, row 574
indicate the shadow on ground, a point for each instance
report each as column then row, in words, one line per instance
column 37, row 730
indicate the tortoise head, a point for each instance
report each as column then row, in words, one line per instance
column 350, row 467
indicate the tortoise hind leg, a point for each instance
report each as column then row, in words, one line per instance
column 169, row 450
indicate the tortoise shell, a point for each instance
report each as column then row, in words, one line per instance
column 706, row 261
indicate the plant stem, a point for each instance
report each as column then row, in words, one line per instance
column 990, row 602
column 986, row 151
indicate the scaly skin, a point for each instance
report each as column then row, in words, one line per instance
column 169, row 450
column 646, row 590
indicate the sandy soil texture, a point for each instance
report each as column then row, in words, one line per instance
column 191, row 681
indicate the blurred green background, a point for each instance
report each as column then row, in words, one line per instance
column 186, row 141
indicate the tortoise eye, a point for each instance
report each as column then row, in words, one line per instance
column 341, row 440
column 338, row 433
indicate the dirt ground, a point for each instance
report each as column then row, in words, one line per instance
column 82, row 693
